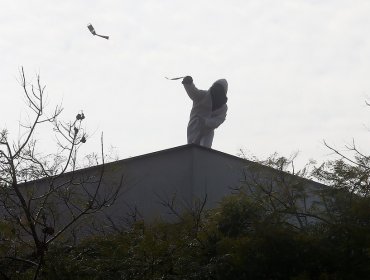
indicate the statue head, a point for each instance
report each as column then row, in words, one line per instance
column 219, row 85
column 218, row 93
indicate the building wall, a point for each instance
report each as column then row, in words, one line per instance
column 159, row 185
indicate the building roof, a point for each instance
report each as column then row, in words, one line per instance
column 182, row 148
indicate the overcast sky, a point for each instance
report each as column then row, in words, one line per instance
column 298, row 70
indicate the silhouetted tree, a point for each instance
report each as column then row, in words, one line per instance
column 39, row 202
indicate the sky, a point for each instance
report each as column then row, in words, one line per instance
column 298, row 70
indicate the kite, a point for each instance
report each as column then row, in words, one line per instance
column 92, row 30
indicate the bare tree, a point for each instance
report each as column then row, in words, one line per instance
column 41, row 196
column 285, row 192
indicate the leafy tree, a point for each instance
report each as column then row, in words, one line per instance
column 238, row 240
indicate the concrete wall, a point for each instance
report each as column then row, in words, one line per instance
column 187, row 175
column 181, row 177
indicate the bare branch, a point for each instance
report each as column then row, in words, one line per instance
column 22, row 260
column 345, row 157
column 33, row 208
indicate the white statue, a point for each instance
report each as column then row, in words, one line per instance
column 208, row 112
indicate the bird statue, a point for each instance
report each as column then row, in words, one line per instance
column 92, row 30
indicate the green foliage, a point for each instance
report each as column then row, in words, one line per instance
column 238, row 240
column 350, row 176
column 249, row 236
